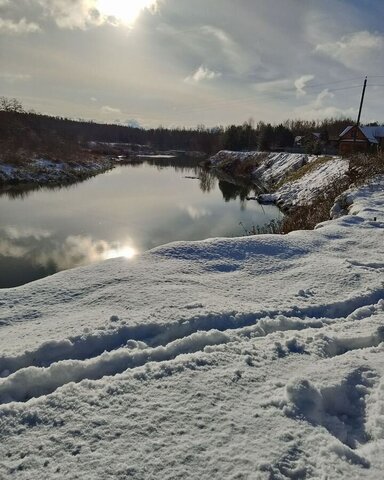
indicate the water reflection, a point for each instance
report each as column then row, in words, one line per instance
column 207, row 180
column 23, row 190
column 231, row 191
column 117, row 214
column 43, row 253
column 181, row 163
column 120, row 251
column 195, row 213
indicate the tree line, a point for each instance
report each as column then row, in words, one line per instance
column 21, row 129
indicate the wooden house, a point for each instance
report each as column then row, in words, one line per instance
column 361, row 139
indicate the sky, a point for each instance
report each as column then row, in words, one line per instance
column 193, row 62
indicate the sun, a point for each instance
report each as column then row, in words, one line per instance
column 123, row 11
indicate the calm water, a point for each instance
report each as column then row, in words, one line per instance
column 120, row 213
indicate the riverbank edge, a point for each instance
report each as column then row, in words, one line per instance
column 41, row 172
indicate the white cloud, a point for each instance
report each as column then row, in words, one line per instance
column 21, row 27
column 14, row 77
column 284, row 85
column 80, row 13
column 83, row 14
column 353, row 50
column 132, row 122
column 109, row 110
column 219, row 34
column 202, row 74
column 235, row 56
column 274, row 87
column 321, row 97
column 79, row 250
column 301, row 83
column 319, row 108
column 17, row 233
column 195, row 213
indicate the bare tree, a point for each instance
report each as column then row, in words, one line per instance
column 11, row 105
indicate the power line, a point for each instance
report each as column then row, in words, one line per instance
column 332, row 83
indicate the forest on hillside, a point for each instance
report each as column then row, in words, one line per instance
column 29, row 132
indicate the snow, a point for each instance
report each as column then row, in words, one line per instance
column 248, row 358
column 44, row 171
column 305, row 189
column 272, row 169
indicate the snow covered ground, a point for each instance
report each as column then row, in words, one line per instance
column 306, row 188
column 43, row 171
column 249, row 358
column 272, row 169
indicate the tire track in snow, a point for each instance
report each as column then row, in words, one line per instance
column 91, row 345
column 34, row 381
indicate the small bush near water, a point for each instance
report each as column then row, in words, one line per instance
column 274, row 226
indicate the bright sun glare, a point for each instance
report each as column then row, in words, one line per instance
column 124, row 11
column 127, row 252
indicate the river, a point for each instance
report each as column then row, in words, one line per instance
column 122, row 212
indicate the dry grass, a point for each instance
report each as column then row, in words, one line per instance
column 306, row 217
column 361, row 169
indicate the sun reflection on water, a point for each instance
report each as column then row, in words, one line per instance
column 124, row 251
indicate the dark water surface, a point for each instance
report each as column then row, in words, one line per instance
column 120, row 213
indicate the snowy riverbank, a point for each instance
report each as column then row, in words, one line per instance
column 255, row 358
column 47, row 172
column 295, row 179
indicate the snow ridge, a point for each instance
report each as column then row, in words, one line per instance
column 95, row 356
column 152, row 334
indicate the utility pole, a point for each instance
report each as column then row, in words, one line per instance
column 359, row 116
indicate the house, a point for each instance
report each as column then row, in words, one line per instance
column 317, row 143
column 309, row 138
column 361, row 139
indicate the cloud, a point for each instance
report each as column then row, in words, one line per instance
column 234, row 56
column 219, row 34
column 202, row 74
column 70, row 14
column 21, row 27
column 215, row 62
column 353, row 50
column 109, row 110
column 79, row 14
column 77, row 250
column 17, row 233
column 14, row 77
column 301, row 83
column 84, row 14
column 286, row 86
column 132, row 122
column 42, row 248
column 195, row 213
column 274, row 87
column 319, row 108
column 15, row 241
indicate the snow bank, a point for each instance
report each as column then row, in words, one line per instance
column 307, row 188
column 256, row 357
column 43, row 171
column 272, row 169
